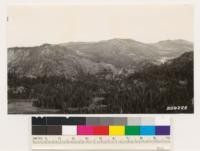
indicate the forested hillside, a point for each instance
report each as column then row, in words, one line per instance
column 115, row 76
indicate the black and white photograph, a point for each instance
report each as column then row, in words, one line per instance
column 100, row 59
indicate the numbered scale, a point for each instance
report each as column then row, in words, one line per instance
column 101, row 142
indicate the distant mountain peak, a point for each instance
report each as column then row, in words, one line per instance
column 177, row 41
column 46, row 45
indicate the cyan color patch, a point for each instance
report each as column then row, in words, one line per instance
column 147, row 130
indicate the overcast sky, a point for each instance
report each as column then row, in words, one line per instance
column 31, row 25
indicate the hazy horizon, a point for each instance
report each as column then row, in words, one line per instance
column 100, row 41
column 34, row 25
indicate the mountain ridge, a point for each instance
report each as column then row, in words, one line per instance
column 71, row 58
column 72, row 42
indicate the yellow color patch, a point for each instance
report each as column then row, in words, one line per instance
column 116, row 130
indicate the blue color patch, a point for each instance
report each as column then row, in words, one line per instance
column 147, row 130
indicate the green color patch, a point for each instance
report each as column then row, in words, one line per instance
column 132, row 130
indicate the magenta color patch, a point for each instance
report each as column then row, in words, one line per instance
column 84, row 130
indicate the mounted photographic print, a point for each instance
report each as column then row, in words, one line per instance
column 100, row 59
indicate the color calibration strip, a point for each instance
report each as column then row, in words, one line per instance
column 99, row 126
column 101, row 133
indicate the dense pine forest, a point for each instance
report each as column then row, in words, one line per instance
column 154, row 88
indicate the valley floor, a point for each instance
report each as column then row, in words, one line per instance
column 24, row 106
